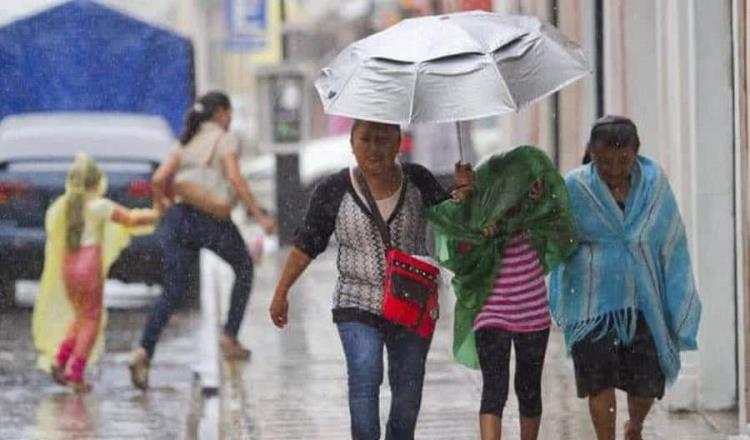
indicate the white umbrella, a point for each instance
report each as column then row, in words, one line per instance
column 450, row 68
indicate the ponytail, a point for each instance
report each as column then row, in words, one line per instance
column 193, row 121
column 74, row 213
column 203, row 110
column 84, row 176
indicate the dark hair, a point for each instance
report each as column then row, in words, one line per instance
column 612, row 130
column 202, row 111
column 358, row 122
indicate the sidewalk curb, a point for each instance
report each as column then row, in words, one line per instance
column 222, row 394
column 208, row 368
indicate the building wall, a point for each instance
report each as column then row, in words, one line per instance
column 672, row 74
column 577, row 103
column 668, row 65
column 714, row 165
column 741, row 39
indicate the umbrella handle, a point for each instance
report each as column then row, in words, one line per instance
column 463, row 175
column 460, row 142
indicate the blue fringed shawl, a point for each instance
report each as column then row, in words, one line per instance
column 636, row 260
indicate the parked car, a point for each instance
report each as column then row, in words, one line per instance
column 36, row 151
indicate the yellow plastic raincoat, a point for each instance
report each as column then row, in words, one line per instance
column 53, row 313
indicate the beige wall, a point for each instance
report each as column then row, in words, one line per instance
column 577, row 102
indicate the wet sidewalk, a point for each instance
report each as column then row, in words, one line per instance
column 34, row 407
column 295, row 385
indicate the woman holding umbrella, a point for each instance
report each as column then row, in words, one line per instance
column 437, row 69
column 339, row 206
column 626, row 300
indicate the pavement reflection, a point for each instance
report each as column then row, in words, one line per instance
column 72, row 414
column 33, row 407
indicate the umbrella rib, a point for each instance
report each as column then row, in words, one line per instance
column 557, row 89
column 505, row 84
column 467, row 34
column 340, row 92
column 414, row 92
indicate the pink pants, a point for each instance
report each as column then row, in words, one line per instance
column 82, row 276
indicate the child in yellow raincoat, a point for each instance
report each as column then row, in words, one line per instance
column 85, row 234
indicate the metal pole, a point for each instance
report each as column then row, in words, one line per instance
column 284, row 40
column 599, row 55
column 556, row 138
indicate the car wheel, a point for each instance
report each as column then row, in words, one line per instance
column 7, row 292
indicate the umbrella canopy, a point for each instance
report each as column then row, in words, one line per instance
column 449, row 68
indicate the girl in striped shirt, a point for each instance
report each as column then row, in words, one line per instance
column 517, row 312
column 505, row 233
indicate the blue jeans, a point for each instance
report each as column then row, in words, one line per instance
column 186, row 232
column 407, row 353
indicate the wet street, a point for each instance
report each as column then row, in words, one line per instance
column 294, row 387
column 34, row 407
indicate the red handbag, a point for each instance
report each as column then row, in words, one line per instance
column 410, row 291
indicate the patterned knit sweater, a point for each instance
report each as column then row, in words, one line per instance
column 336, row 209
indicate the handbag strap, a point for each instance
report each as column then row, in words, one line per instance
column 385, row 234
column 214, row 147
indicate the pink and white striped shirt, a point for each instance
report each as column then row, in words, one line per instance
column 518, row 301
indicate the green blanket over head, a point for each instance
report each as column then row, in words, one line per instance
column 500, row 197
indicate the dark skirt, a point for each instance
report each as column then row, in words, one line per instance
column 603, row 361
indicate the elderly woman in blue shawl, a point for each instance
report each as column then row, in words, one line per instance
column 626, row 299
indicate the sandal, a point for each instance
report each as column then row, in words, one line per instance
column 58, row 374
column 232, row 349
column 74, row 377
column 139, row 365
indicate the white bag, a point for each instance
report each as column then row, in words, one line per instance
column 204, row 175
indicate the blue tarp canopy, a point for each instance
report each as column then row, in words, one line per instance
column 87, row 57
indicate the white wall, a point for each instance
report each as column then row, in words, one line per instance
column 668, row 65
column 715, row 200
